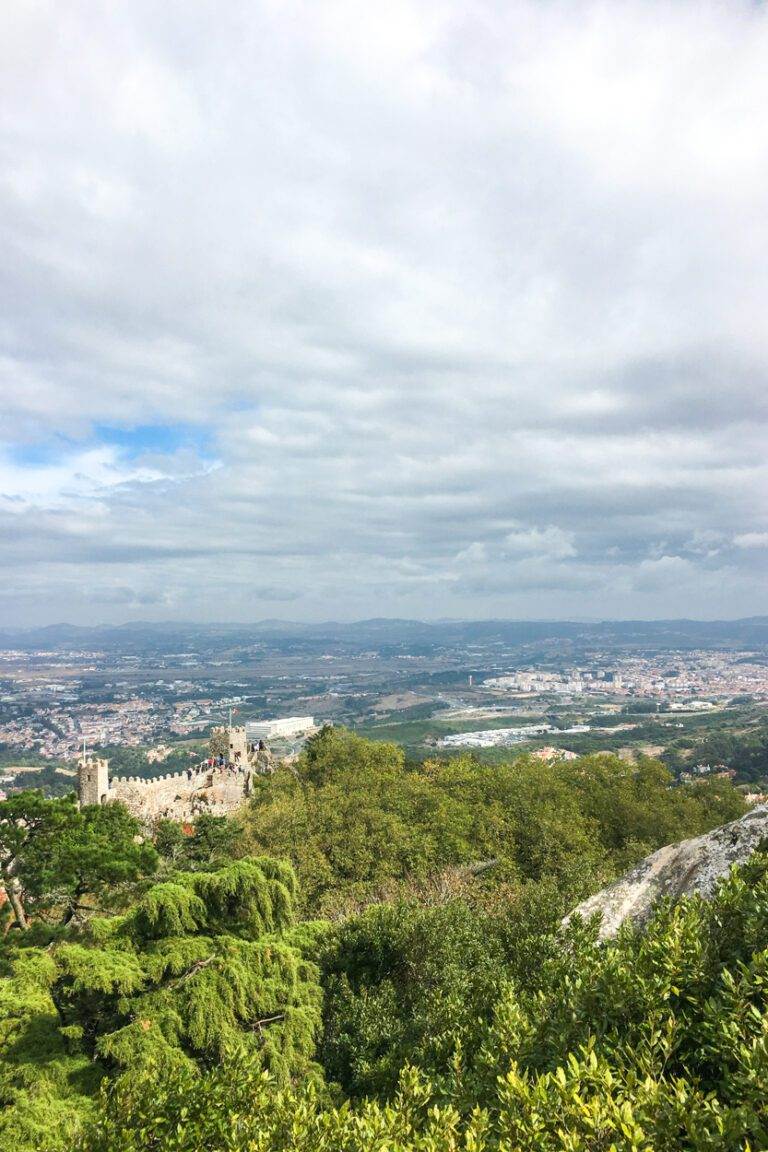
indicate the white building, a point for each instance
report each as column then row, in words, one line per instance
column 286, row 729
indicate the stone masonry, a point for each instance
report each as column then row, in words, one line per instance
column 218, row 788
column 93, row 780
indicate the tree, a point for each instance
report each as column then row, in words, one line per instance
column 202, row 964
column 46, row 1091
column 406, row 984
column 210, row 840
column 654, row 1041
column 168, row 839
column 202, row 968
column 214, row 839
column 352, row 818
column 356, row 820
column 56, row 857
column 30, row 826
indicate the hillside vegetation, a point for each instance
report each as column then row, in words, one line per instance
column 371, row 957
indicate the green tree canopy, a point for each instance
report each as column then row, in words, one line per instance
column 56, row 858
column 655, row 1041
column 406, row 984
column 356, row 820
column 196, row 996
column 201, row 966
column 202, row 962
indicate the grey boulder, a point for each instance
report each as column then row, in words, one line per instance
column 692, row 866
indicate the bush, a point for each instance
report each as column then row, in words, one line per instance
column 356, row 821
column 658, row 1040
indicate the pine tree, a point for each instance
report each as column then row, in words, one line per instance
column 58, row 860
column 202, row 965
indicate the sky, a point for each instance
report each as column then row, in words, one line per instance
column 332, row 310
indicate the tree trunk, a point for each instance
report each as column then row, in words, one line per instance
column 73, row 904
column 13, row 890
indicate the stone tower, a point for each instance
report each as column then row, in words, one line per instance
column 238, row 746
column 92, row 780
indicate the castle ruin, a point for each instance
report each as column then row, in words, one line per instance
column 217, row 785
column 93, row 780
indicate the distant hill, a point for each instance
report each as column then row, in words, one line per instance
column 177, row 635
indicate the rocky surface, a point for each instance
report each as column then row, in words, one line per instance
column 182, row 795
column 676, row 870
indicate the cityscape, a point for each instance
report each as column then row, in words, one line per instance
column 472, row 687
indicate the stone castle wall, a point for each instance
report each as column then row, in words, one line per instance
column 174, row 796
column 219, row 788
column 182, row 795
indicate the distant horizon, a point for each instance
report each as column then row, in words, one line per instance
column 334, row 622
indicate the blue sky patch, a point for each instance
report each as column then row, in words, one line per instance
column 130, row 442
column 163, row 438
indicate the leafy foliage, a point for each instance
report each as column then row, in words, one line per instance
column 746, row 752
column 356, row 820
column 408, row 984
column 208, row 842
column 659, row 1040
column 57, row 858
column 459, row 1015
column 45, row 1092
column 203, row 964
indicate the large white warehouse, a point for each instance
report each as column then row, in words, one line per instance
column 286, row 729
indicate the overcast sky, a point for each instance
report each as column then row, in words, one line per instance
column 332, row 310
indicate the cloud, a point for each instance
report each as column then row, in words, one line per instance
column 751, row 540
column 549, row 542
column 454, row 309
column 664, row 572
column 475, row 553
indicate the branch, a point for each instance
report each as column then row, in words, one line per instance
column 197, row 967
column 266, row 1020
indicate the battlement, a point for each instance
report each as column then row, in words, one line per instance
column 183, row 777
column 93, row 780
column 183, row 795
column 180, row 795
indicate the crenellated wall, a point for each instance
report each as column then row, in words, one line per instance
column 180, row 795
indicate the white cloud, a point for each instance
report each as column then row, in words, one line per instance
column 550, row 542
column 751, row 540
column 452, row 291
column 472, row 555
column 82, row 475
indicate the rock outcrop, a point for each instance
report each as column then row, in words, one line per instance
column 692, row 866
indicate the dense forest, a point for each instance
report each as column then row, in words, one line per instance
column 745, row 752
column 371, row 957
